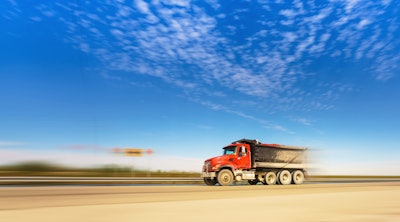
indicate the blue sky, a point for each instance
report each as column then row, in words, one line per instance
column 188, row 77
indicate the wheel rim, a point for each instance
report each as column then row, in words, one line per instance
column 298, row 177
column 225, row 178
column 270, row 178
column 285, row 177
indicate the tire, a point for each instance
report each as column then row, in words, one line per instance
column 270, row 178
column 297, row 177
column 285, row 177
column 277, row 178
column 209, row 181
column 253, row 182
column 225, row 177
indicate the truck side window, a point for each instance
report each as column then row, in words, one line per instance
column 243, row 151
column 229, row 150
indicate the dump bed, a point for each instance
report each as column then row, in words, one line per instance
column 275, row 155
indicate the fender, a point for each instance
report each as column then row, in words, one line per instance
column 230, row 167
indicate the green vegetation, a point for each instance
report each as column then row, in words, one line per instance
column 35, row 168
column 50, row 169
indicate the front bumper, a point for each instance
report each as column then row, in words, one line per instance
column 208, row 174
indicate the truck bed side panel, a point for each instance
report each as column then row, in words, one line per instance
column 276, row 157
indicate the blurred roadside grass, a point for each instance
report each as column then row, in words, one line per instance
column 35, row 168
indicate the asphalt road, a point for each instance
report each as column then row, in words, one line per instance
column 308, row 202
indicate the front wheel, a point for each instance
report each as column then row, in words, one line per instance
column 209, row 181
column 225, row 177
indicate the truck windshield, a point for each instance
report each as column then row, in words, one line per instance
column 229, row 150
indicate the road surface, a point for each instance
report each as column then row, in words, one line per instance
column 309, row 202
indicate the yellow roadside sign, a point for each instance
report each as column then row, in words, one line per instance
column 133, row 152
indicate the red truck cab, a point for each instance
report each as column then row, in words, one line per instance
column 235, row 157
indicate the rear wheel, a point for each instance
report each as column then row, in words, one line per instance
column 285, row 177
column 270, row 178
column 225, row 177
column 297, row 177
column 277, row 178
column 209, row 181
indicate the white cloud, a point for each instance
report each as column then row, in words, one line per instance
column 181, row 3
column 142, row 6
column 214, row 3
column 186, row 45
column 318, row 18
column 325, row 37
column 384, row 71
column 288, row 13
column 189, row 38
column 289, row 36
column 303, row 121
column 363, row 23
column 279, row 128
column 350, row 4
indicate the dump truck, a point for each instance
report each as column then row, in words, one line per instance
column 253, row 161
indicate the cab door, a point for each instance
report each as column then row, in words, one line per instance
column 243, row 160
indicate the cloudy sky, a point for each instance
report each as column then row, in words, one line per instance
column 185, row 78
